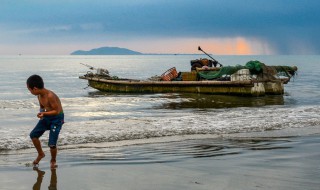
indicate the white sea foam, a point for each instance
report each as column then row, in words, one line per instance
column 17, row 104
column 215, row 122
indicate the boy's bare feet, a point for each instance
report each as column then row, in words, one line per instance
column 38, row 159
column 53, row 164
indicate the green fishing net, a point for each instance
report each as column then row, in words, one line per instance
column 255, row 67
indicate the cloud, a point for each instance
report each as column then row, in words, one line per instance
column 283, row 27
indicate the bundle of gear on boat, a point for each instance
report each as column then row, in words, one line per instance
column 199, row 63
column 253, row 70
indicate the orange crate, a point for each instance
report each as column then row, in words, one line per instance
column 169, row 74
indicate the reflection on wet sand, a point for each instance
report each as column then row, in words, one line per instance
column 40, row 176
column 53, row 179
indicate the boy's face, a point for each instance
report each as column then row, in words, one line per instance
column 34, row 91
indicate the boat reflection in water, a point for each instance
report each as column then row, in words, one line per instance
column 204, row 101
column 191, row 100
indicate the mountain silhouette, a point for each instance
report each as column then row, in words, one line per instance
column 107, row 51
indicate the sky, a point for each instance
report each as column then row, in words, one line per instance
column 221, row 27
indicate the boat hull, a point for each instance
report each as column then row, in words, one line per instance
column 239, row 88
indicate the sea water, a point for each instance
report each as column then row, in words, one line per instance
column 97, row 117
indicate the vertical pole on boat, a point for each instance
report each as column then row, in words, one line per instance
column 199, row 48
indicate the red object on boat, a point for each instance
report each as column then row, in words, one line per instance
column 169, row 74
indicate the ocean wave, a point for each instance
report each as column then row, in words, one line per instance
column 18, row 104
column 215, row 122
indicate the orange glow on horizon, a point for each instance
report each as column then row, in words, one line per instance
column 238, row 46
column 218, row 46
column 242, row 47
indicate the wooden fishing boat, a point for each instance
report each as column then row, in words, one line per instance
column 245, row 86
column 254, row 79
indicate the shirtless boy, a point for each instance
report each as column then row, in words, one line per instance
column 51, row 118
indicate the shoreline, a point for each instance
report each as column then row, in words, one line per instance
column 233, row 163
column 286, row 132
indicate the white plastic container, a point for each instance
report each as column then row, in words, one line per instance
column 241, row 75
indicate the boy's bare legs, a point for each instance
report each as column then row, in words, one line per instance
column 37, row 145
column 53, row 151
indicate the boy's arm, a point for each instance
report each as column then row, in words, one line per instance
column 41, row 106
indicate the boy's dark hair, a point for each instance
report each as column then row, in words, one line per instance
column 35, row 81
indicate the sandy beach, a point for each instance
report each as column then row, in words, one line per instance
column 207, row 163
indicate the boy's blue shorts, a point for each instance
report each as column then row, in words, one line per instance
column 52, row 123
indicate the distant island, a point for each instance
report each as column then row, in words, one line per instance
column 107, row 51
column 120, row 51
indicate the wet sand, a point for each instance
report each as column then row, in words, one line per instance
column 220, row 163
